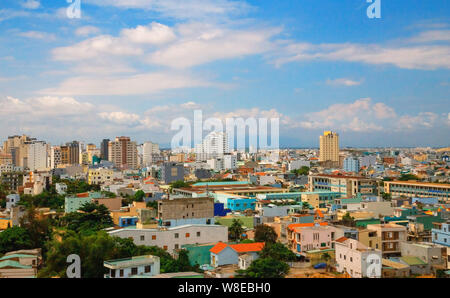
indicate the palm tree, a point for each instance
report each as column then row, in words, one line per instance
column 326, row 258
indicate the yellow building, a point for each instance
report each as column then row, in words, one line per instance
column 100, row 176
column 329, row 147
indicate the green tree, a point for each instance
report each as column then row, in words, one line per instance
column 348, row 220
column 277, row 251
column 15, row 238
column 39, row 230
column 406, row 177
column 139, row 196
column 326, row 258
column 236, row 230
column 303, row 171
column 92, row 217
column 265, row 233
column 265, row 268
column 386, row 196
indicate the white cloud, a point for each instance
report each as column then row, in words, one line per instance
column 120, row 117
column 186, row 9
column 147, row 83
column 38, row 35
column 431, row 36
column 154, row 33
column 202, row 44
column 87, row 30
column 343, row 82
column 30, row 4
column 95, row 47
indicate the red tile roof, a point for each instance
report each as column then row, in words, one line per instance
column 83, row 195
column 305, row 225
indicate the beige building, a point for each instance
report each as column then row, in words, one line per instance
column 329, row 147
column 182, row 211
column 123, row 153
column 389, row 238
column 414, row 189
column 100, row 176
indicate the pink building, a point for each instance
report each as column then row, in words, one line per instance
column 306, row 237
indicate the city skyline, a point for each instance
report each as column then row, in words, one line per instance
column 130, row 68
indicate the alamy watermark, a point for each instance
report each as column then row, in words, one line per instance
column 73, row 11
column 374, row 9
column 237, row 130
column 74, row 269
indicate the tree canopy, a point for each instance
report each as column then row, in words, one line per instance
column 265, row 233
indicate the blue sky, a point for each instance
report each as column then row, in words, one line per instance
column 129, row 67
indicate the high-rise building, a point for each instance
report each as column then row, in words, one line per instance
column 329, row 147
column 104, row 149
column 214, row 145
column 149, row 149
column 18, row 148
column 55, row 157
column 70, row 153
column 37, row 156
column 351, row 164
column 123, row 153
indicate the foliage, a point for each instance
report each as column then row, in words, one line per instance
column 236, row 230
column 92, row 217
column 38, row 229
column 406, row 177
column 277, row 251
column 265, row 268
column 139, row 196
column 15, row 238
column 152, row 204
column 178, row 184
column 304, row 170
column 49, row 199
column 386, row 196
column 265, row 233
column 348, row 220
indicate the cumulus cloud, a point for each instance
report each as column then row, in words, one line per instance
column 38, row 35
column 87, row 30
column 363, row 115
column 154, row 33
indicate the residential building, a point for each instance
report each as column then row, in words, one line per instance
column 37, row 156
column 389, row 237
column 215, row 144
column 140, row 266
column 240, row 254
column 356, row 259
column 348, row 186
column 149, row 149
column 415, row 189
column 123, row 153
column 171, row 172
column 173, row 238
column 182, row 211
column 329, row 147
column 441, row 233
column 100, row 176
column 351, row 164
column 104, row 153
column 241, row 204
column 20, row 263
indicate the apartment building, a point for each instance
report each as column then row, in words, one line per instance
column 389, row 238
column 414, row 189
column 100, row 176
column 147, row 266
column 356, row 259
column 347, row 186
column 173, row 238
column 304, row 237
column 440, row 234
column 171, row 172
column 123, row 153
column 183, row 211
column 329, row 147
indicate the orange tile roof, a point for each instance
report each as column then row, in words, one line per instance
column 239, row 248
column 218, row 247
column 248, row 247
column 342, row 239
column 83, row 195
column 305, row 225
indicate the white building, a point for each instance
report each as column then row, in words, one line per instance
column 229, row 162
column 297, row 164
column 357, row 259
column 149, row 149
column 214, row 145
column 37, row 156
column 144, row 266
column 173, row 238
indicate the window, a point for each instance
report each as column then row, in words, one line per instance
column 121, row 273
column 176, row 235
column 192, row 214
column 198, row 234
column 134, row 271
column 351, row 259
column 177, row 246
column 165, row 247
column 153, row 237
column 142, row 237
column 113, row 273
column 147, row 269
column 187, row 235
